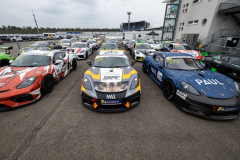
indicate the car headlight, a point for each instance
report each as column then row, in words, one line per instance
column 137, row 52
column 237, row 85
column 135, row 83
column 86, row 83
column 28, row 82
column 187, row 87
column 82, row 51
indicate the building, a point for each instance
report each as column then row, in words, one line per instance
column 207, row 22
column 135, row 26
column 142, row 34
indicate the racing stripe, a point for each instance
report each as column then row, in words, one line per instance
column 94, row 76
column 126, row 76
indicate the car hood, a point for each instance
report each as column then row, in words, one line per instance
column 114, row 79
column 11, row 77
column 154, row 45
column 144, row 51
column 77, row 50
column 210, row 83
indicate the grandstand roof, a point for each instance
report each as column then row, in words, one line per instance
column 136, row 21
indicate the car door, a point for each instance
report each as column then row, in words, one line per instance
column 156, row 68
column 58, row 66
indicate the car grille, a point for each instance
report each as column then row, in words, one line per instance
column 22, row 98
column 81, row 56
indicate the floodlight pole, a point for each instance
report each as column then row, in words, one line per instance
column 129, row 13
column 35, row 21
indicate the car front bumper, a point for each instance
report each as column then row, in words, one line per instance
column 80, row 55
column 209, row 107
column 133, row 100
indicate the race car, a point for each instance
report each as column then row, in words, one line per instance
column 40, row 45
column 140, row 51
column 65, row 43
column 81, row 50
column 141, row 40
column 154, row 45
column 94, row 43
column 1, row 42
column 183, row 48
column 32, row 74
column 99, row 41
column 125, row 41
column 108, row 46
column 5, row 56
column 111, row 84
column 130, row 44
column 227, row 64
column 194, row 88
column 74, row 40
column 84, row 39
column 163, row 44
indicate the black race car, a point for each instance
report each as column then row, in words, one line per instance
column 228, row 64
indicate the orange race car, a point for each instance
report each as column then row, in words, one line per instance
column 31, row 74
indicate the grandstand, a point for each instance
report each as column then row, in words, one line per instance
column 135, row 26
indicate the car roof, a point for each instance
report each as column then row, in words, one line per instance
column 112, row 53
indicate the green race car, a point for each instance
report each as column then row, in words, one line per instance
column 5, row 56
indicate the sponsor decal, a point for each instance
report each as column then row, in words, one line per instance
column 217, row 61
column 111, row 102
column 227, row 108
column 159, row 76
column 1, row 84
column 111, row 96
column 153, row 70
column 111, row 75
column 208, row 82
column 181, row 94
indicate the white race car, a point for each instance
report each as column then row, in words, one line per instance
column 140, row 51
column 154, row 45
column 94, row 43
column 81, row 49
column 65, row 43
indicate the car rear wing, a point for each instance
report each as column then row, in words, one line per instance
column 7, row 49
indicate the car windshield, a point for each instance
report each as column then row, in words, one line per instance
column 183, row 64
column 109, row 46
column 132, row 42
column 26, row 60
column 111, row 62
column 142, row 46
column 79, row 45
column 65, row 41
column 151, row 42
column 40, row 44
column 92, row 41
column 179, row 47
column 235, row 60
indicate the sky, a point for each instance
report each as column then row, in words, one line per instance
column 80, row 13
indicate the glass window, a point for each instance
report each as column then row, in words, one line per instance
column 28, row 60
column 224, row 58
column 111, row 62
column 159, row 59
column 183, row 64
column 142, row 46
column 235, row 60
column 57, row 56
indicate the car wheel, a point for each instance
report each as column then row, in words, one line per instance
column 169, row 90
column 144, row 67
column 48, row 84
column 74, row 64
column 86, row 55
column 4, row 62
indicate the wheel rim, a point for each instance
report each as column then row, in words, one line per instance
column 167, row 90
column 49, row 83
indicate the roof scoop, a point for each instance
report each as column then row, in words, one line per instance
column 201, row 75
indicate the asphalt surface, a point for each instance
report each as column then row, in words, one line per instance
column 58, row 126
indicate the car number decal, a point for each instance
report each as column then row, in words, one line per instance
column 181, row 94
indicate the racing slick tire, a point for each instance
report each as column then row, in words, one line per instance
column 86, row 55
column 144, row 67
column 4, row 62
column 74, row 64
column 169, row 90
column 48, row 84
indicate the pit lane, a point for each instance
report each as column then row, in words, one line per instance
column 59, row 127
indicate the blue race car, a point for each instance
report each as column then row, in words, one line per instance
column 194, row 88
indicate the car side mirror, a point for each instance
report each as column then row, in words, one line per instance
column 89, row 63
column 133, row 62
column 11, row 61
column 58, row 62
column 30, row 45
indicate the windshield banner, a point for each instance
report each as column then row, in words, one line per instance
column 111, row 74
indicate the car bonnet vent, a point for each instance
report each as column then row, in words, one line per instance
column 201, row 75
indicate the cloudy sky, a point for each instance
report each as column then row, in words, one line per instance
column 80, row 13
